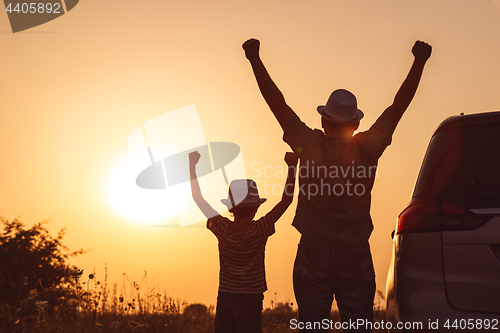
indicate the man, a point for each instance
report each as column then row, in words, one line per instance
column 336, row 175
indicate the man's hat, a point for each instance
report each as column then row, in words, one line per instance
column 243, row 193
column 341, row 107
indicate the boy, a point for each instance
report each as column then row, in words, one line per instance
column 242, row 280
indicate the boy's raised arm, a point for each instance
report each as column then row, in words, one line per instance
column 204, row 206
column 273, row 96
column 421, row 51
column 291, row 160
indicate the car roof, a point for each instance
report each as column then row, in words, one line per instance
column 468, row 120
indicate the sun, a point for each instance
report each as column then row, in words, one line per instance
column 141, row 206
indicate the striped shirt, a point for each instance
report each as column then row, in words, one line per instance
column 241, row 254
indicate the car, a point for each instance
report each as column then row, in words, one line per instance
column 444, row 273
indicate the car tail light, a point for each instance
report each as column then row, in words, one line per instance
column 456, row 218
column 448, row 209
column 420, row 216
column 426, row 215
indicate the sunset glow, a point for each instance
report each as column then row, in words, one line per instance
column 75, row 88
column 142, row 206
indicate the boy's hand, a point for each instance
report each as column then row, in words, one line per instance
column 194, row 157
column 421, row 50
column 291, row 159
column 251, row 48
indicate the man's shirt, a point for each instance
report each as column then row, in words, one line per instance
column 336, row 176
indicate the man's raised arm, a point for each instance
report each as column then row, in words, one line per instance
column 273, row 96
column 422, row 52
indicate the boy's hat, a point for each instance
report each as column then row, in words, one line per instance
column 342, row 107
column 243, row 193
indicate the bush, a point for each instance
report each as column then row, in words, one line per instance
column 34, row 269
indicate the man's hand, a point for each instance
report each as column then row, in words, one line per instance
column 291, row 159
column 273, row 96
column 251, row 48
column 194, row 157
column 421, row 50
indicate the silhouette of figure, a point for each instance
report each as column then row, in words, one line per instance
column 336, row 175
column 242, row 279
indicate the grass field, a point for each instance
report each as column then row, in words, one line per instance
column 192, row 318
column 97, row 308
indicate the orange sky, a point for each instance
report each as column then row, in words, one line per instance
column 73, row 89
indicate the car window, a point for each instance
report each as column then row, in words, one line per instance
column 462, row 166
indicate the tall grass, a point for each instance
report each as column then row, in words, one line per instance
column 97, row 308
